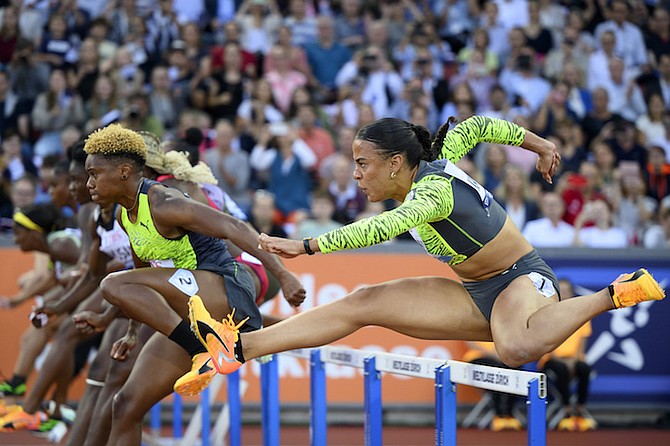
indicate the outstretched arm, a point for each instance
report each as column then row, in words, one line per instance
column 172, row 210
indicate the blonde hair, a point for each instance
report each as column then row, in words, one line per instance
column 115, row 140
column 177, row 164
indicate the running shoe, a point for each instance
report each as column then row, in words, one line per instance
column 513, row 424
column 19, row 420
column 631, row 289
column 568, row 424
column 586, row 424
column 219, row 338
column 8, row 408
column 498, row 424
column 201, row 373
column 6, row 389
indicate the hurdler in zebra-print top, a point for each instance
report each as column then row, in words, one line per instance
column 447, row 212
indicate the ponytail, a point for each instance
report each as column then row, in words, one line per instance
column 438, row 140
column 423, row 136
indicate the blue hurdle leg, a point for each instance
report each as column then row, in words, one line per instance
column 319, row 425
column 176, row 416
column 445, row 408
column 537, row 415
column 373, row 403
column 270, row 402
column 235, row 409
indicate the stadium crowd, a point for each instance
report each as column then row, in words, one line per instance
column 272, row 92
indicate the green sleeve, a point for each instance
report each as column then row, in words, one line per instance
column 431, row 200
column 467, row 134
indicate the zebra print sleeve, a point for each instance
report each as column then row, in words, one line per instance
column 427, row 201
column 467, row 134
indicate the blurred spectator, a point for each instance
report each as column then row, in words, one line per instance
column 194, row 49
column 414, row 95
column 350, row 24
column 422, row 43
column 54, row 110
column 99, row 32
column 226, row 98
column 82, row 75
column 606, row 162
column 554, row 65
column 15, row 164
column 515, row 196
column 499, row 106
column 513, row 13
column 348, row 199
column 578, row 189
column 553, row 110
column 633, row 210
column 481, row 45
column 229, row 164
column 484, row 353
column 391, row 28
column 326, row 57
column 256, row 111
column 318, row 139
column 9, row 33
column 661, row 82
column 23, row 191
column 653, row 126
column 248, row 60
column 76, row 17
column 454, row 20
column 381, row 83
column 203, row 86
column 598, row 69
column 495, row 162
column 303, row 27
column 297, row 58
column 625, row 146
column 12, row 108
column 56, row 47
column 553, row 16
column 283, row 80
column 629, row 42
column 538, row 37
column 599, row 118
column 263, row 212
column 498, row 34
column 579, row 99
column 259, row 21
column 478, row 77
column 658, row 236
column 567, row 144
column 657, row 38
column 162, row 103
column 180, row 69
column 523, row 84
column 287, row 160
column 46, row 173
column 162, row 26
column 119, row 15
column 103, row 102
column 625, row 95
column 31, row 21
column 567, row 363
column 550, row 231
column 657, row 173
column 319, row 220
column 517, row 46
column 137, row 116
column 459, row 93
column 603, row 233
column 127, row 75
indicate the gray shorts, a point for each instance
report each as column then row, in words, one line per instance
column 241, row 293
column 485, row 292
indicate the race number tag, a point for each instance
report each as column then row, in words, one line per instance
column 184, row 281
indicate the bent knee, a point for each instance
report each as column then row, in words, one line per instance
column 110, row 287
column 516, row 353
column 125, row 407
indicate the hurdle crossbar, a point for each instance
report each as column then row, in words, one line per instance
column 446, row 373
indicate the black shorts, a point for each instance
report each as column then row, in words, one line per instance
column 485, row 292
column 241, row 293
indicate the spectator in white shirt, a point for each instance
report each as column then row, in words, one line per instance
column 598, row 70
column 658, row 236
column 523, row 84
column 602, row 234
column 626, row 98
column 629, row 40
column 550, row 231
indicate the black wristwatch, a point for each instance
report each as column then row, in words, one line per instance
column 305, row 243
